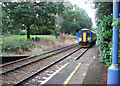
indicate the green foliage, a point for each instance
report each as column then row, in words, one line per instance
column 23, row 32
column 36, row 53
column 17, row 46
column 41, row 30
column 56, row 31
column 116, row 22
column 25, row 37
column 49, row 54
column 75, row 19
column 104, row 39
column 8, row 25
column 4, row 53
column 103, row 9
column 104, row 35
column 39, row 14
column 14, row 37
column 73, row 33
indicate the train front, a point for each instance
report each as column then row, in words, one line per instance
column 84, row 37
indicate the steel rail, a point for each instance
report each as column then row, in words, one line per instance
column 44, row 68
column 37, row 55
column 3, row 72
column 81, row 54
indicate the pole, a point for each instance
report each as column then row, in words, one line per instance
column 114, row 71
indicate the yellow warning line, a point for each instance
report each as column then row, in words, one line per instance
column 115, row 64
column 71, row 75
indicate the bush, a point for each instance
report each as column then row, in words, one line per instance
column 104, row 39
column 17, row 46
column 62, row 36
column 73, row 33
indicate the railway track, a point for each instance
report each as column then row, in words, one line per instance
column 30, row 66
column 26, row 61
column 43, row 76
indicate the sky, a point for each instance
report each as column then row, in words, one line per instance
column 88, row 6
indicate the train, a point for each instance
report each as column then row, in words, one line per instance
column 86, row 38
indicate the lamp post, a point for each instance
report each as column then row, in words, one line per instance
column 114, row 70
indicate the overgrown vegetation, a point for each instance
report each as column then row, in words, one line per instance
column 20, row 45
column 16, row 46
column 74, row 19
column 104, row 39
column 26, row 15
column 104, row 18
column 39, row 18
column 25, row 37
column 42, row 18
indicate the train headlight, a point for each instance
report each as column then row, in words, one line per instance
column 88, row 39
column 80, row 39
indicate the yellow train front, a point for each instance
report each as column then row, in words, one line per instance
column 86, row 38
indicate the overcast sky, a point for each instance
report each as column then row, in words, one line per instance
column 88, row 6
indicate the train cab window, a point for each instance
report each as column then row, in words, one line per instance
column 80, row 34
column 88, row 34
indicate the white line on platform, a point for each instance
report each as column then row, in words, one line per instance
column 49, row 74
column 54, row 74
column 44, row 77
column 93, row 56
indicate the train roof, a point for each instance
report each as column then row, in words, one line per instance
column 84, row 29
column 87, row 29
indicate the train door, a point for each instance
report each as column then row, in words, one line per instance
column 84, row 36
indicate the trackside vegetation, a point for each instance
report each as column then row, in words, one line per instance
column 104, row 39
column 42, row 18
column 21, row 45
column 104, row 17
column 24, row 21
column 18, row 46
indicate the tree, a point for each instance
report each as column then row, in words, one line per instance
column 39, row 14
column 104, row 30
column 75, row 19
column 103, row 9
column 56, row 31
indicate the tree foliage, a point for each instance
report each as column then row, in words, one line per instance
column 116, row 22
column 103, row 9
column 56, row 31
column 104, row 30
column 75, row 19
column 40, row 18
column 27, row 13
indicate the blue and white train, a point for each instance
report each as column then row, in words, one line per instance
column 86, row 38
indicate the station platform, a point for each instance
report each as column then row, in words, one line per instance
column 85, row 71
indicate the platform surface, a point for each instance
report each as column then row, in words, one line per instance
column 89, row 72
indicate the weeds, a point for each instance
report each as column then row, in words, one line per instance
column 17, row 46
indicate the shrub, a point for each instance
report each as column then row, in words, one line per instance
column 17, row 46
column 104, row 39
column 62, row 36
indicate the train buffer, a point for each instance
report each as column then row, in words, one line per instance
column 86, row 70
